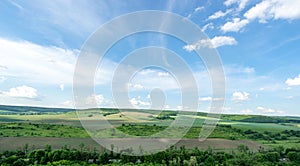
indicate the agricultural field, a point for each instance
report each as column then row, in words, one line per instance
column 34, row 126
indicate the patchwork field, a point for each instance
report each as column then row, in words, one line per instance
column 41, row 126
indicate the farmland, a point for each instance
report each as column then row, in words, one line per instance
column 32, row 128
column 34, row 122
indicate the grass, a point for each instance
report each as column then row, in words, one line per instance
column 141, row 130
column 282, row 143
column 261, row 127
column 41, row 130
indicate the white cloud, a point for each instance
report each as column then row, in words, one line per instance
column 62, row 87
column 139, row 103
column 219, row 14
column 133, row 101
column 274, row 9
column 234, row 26
column 241, row 3
column 200, row 8
column 260, row 11
column 293, row 81
column 67, row 103
column 207, row 26
column 135, row 86
column 163, row 74
column 179, row 107
column 205, row 99
column 197, row 9
column 98, row 98
column 2, row 79
column 22, row 92
column 223, row 40
column 46, row 65
column 35, row 63
column 167, row 107
column 268, row 110
column 215, row 42
column 209, row 99
column 246, row 111
column 240, row 96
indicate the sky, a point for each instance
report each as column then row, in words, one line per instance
column 258, row 43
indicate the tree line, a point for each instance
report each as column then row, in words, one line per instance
column 173, row 156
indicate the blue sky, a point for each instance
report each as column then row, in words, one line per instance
column 258, row 42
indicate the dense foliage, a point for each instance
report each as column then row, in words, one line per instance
column 172, row 156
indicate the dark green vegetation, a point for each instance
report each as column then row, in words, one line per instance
column 64, row 131
column 40, row 130
column 172, row 156
column 164, row 115
column 140, row 130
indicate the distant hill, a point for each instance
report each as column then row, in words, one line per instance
column 261, row 118
column 167, row 114
column 6, row 109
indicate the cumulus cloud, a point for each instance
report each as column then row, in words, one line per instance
column 47, row 65
column 98, row 98
column 262, row 11
column 268, row 110
column 241, row 3
column 215, row 42
column 219, row 14
column 35, row 63
column 293, row 81
column 139, row 103
column 274, row 9
column 236, row 25
column 22, row 92
column 240, row 96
